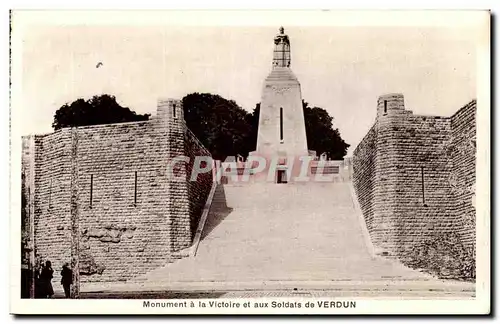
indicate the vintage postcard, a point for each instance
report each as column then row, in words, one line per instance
column 250, row 162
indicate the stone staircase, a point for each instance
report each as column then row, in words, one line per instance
column 270, row 235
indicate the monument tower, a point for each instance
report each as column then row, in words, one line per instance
column 281, row 132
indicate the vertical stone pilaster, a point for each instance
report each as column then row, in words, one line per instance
column 171, row 123
column 75, row 219
column 30, row 206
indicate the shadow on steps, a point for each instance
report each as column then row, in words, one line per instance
column 218, row 211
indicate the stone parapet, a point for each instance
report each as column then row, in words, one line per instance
column 406, row 171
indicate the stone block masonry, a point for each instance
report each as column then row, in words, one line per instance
column 197, row 190
column 364, row 166
column 463, row 178
column 414, row 176
column 131, row 216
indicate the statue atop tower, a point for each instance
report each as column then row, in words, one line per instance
column 281, row 134
column 281, row 55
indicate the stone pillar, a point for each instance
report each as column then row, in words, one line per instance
column 29, row 152
column 170, row 120
column 75, row 216
column 169, row 110
column 390, row 104
column 390, row 107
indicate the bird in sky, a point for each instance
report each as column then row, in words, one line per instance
column 98, row 65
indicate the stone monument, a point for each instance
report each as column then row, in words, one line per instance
column 281, row 133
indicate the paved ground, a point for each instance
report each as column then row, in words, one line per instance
column 267, row 294
column 399, row 289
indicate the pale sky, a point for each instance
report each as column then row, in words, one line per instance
column 342, row 69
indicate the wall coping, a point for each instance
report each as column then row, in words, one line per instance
column 203, row 219
column 110, row 125
column 196, row 138
column 468, row 105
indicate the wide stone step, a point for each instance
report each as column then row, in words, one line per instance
column 281, row 233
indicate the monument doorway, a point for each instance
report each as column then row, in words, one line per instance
column 281, row 176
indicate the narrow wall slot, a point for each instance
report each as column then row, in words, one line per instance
column 91, row 188
column 281, row 124
column 135, row 189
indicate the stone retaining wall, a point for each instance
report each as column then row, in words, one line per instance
column 132, row 217
column 414, row 175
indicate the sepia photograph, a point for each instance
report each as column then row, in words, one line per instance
column 250, row 162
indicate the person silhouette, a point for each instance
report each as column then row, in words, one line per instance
column 46, row 280
column 66, row 279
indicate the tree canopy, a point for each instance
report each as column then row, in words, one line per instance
column 102, row 109
column 220, row 124
column 322, row 137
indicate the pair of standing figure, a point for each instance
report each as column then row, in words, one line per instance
column 44, row 281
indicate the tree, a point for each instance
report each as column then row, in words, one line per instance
column 103, row 109
column 321, row 136
column 220, row 124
